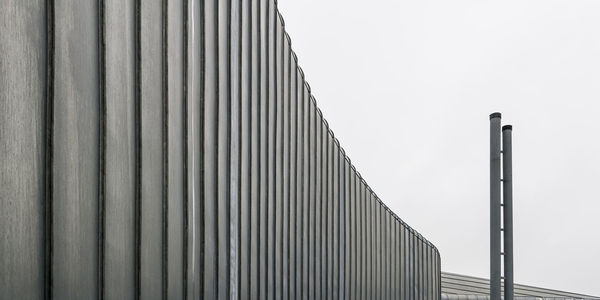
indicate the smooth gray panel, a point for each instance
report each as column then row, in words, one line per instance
column 413, row 265
column 395, row 280
column 371, row 246
column 271, row 121
column 194, row 89
column 430, row 272
column 420, row 266
column 152, row 118
column 347, row 226
column 223, row 155
column 380, row 239
column 120, row 150
column 390, row 248
column 318, row 204
column 378, row 271
column 264, row 172
column 375, row 241
column 75, row 152
column 293, row 185
column 404, row 262
column 367, row 274
column 278, row 202
column 286, row 169
column 359, row 235
column 335, row 219
column 176, row 144
column 211, row 150
column 305, row 190
column 389, row 262
column 255, row 156
column 383, row 252
column 312, row 199
column 245, row 171
column 354, row 234
column 22, row 123
column 235, row 148
column 343, row 211
column 323, row 211
column 329, row 214
column 408, row 263
column 299, row 183
column 392, row 256
column 391, row 284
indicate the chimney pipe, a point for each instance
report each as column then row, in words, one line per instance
column 508, row 217
column 495, row 238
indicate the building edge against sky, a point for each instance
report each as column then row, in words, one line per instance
column 174, row 148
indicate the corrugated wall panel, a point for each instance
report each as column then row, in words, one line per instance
column 175, row 150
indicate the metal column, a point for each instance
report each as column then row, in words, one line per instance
column 508, row 218
column 495, row 264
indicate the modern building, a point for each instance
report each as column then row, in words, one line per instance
column 462, row 287
column 174, row 150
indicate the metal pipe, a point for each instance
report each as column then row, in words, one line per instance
column 495, row 264
column 508, row 217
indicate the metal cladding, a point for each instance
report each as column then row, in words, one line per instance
column 173, row 149
column 457, row 287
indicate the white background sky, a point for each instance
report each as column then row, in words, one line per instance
column 407, row 87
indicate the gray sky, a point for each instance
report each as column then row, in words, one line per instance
column 407, row 87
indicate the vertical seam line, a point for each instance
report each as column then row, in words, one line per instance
column 215, row 166
column 48, row 159
column 185, row 150
column 165, row 150
column 102, row 148
column 138, row 140
column 201, row 192
column 239, row 171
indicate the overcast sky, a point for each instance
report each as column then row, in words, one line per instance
column 407, row 86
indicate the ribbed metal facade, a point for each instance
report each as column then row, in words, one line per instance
column 458, row 287
column 173, row 149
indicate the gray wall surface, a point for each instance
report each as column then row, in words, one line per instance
column 456, row 286
column 173, row 149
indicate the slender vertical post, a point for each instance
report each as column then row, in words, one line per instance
column 508, row 218
column 495, row 264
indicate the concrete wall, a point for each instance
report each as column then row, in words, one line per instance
column 173, row 149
